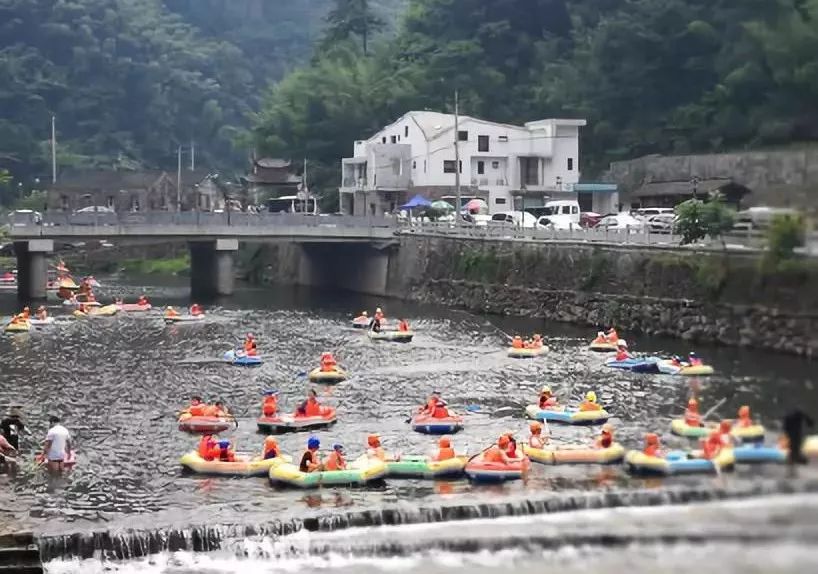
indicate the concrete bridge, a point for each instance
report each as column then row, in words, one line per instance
column 213, row 239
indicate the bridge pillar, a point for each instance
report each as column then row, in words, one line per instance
column 211, row 267
column 32, row 268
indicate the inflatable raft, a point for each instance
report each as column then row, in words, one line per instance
column 425, row 467
column 290, row 423
column 19, row 327
column 423, row 423
column 106, row 311
column 526, row 353
column 668, row 368
column 256, row 466
column 204, row 425
column 361, row 322
column 331, row 377
column 752, row 433
column 567, row 416
column 241, row 359
column 677, row 462
column 393, row 336
column 636, row 364
column 134, row 307
column 579, row 454
column 479, row 470
column 810, row 447
column 76, row 303
column 602, row 347
column 756, row 453
column 370, row 470
column 42, row 322
column 184, row 319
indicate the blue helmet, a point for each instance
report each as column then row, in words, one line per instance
column 224, row 443
column 270, row 392
column 337, row 446
column 313, row 442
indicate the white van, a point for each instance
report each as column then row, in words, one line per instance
column 559, row 214
column 515, row 218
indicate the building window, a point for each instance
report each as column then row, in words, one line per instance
column 406, row 131
column 499, row 201
column 570, row 164
column 64, row 201
column 110, row 201
column 481, row 167
column 394, row 139
column 502, row 138
column 414, row 164
column 383, row 139
column 424, row 166
column 134, row 204
column 449, row 166
column 530, row 170
column 495, row 165
column 463, row 136
column 482, row 143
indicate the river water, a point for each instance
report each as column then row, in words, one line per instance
column 118, row 382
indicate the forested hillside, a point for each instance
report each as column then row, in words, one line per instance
column 649, row 75
column 129, row 80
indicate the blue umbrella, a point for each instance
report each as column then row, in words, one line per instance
column 417, row 201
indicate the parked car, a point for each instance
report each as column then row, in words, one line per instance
column 621, row 222
column 23, row 217
column 647, row 212
column 759, row 217
column 589, row 219
column 96, row 209
column 516, row 218
column 661, row 223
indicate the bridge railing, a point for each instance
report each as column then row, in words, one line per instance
column 203, row 220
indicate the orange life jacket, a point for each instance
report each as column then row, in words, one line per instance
column 197, row 410
column 622, row 355
column 313, row 408
column 651, row 450
column 494, row 454
column 269, row 406
column 604, row 441
column 205, row 444
column 712, row 447
column 589, row 406
column 335, row 461
column 445, row 453
column 440, row 412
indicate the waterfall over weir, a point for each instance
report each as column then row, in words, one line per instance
column 130, row 544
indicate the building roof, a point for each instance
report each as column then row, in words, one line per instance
column 682, row 188
column 273, row 163
column 115, row 180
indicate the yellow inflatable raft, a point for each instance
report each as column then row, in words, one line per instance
column 289, row 475
column 576, row 454
column 255, row 466
column 751, row 433
column 810, row 447
column 19, row 327
column 526, row 353
column 602, row 346
column 335, row 375
column 106, row 311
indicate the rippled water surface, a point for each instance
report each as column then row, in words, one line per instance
column 118, row 382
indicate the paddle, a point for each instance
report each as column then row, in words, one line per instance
column 713, row 408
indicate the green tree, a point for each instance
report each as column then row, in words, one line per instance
column 696, row 219
column 786, row 232
column 350, row 18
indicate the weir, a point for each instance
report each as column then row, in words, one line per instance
column 129, row 544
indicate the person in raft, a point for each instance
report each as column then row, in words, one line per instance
column 694, row 360
column 611, row 335
column 652, row 446
column 431, row 404
column 676, row 361
column 440, row 411
column 269, row 405
column 171, row 312
column 42, row 313
column 250, row 347
column 91, row 298
column 335, row 460
column 364, row 316
column 403, row 326
column 197, row 407
column 744, row 419
column 535, row 343
column 374, row 448
column 310, row 461
column 605, row 438
column 622, row 353
column 271, row 448
column 497, row 453
column 590, row 404
column 537, row 438
column 692, row 416
column 143, row 301
column 517, row 342
column 547, row 399
column 511, row 449
column 225, row 451
column 328, row 363
column 376, row 325
column 196, row 310
column 379, row 316
column 725, row 436
column 208, row 447
column 310, row 407
column 444, row 449
column 712, row 445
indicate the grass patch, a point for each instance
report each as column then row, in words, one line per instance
column 174, row 266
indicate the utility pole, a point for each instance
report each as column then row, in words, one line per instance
column 53, row 149
column 304, row 188
column 179, row 179
column 457, row 159
column 192, row 155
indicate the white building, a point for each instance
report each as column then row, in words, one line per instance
column 508, row 166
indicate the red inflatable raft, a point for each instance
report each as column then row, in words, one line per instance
column 481, row 470
column 290, row 423
column 203, row 424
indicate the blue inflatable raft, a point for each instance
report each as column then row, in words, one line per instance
column 239, row 359
column 636, row 364
column 758, row 453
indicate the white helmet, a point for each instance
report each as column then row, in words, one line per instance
column 378, row 310
column 622, row 343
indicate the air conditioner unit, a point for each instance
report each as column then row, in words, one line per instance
column 501, row 181
column 474, row 181
column 484, row 181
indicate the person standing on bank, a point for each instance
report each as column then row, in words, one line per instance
column 11, row 427
column 57, row 448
